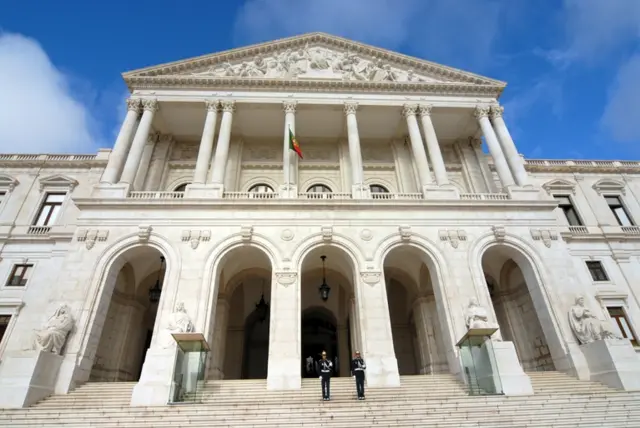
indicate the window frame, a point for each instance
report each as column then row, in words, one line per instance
column 53, row 184
column 380, row 186
column 601, row 267
column 7, row 185
column 183, row 185
column 27, row 269
column 9, row 307
column 257, row 185
column 44, row 203
column 571, row 205
column 319, row 185
column 625, row 316
column 622, row 206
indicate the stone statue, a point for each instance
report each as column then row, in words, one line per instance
column 53, row 336
column 585, row 325
column 179, row 321
column 476, row 316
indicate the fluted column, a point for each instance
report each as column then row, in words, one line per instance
column 502, row 168
column 355, row 156
column 514, row 160
column 409, row 112
column 437, row 162
column 206, row 142
column 216, row 370
column 150, row 106
column 289, row 160
column 222, row 148
column 123, row 143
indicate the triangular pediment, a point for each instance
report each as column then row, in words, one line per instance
column 314, row 57
column 58, row 181
column 559, row 185
column 8, row 182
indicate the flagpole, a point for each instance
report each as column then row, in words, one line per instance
column 287, row 157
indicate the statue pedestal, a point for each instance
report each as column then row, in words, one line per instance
column 27, row 377
column 613, row 362
column 513, row 379
column 154, row 386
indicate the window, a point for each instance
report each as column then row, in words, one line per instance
column 621, row 323
column 261, row 188
column 319, row 188
column 2, row 196
column 376, row 188
column 618, row 210
column 597, row 271
column 181, row 188
column 565, row 204
column 50, row 209
column 4, row 325
column 19, row 275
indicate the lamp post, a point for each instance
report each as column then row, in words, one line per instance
column 155, row 291
column 324, row 289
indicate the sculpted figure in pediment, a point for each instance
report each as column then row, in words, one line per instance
column 255, row 68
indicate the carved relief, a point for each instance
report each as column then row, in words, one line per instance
column 405, row 232
column 133, row 104
column 286, row 278
column 371, row 278
column 90, row 236
column 327, row 233
column 587, row 327
column 287, row 235
column 366, row 235
column 481, row 111
column 544, row 235
column 453, row 236
column 144, row 232
column 499, row 232
column 246, row 232
column 194, row 237
column 314, row 63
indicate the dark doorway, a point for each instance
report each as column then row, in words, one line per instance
column 147, row 344
column 256, row 347
column 319, row 333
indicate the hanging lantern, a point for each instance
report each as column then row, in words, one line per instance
column 324, row 289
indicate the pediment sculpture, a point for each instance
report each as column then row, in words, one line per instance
column 586, row 326
column 314, row 63
column 54, row 333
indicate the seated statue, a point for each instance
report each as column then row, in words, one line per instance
column 586, row 326
column 53, row 335
column 179, row 322
column 476, row 316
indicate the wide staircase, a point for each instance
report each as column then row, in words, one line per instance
column 422, row 401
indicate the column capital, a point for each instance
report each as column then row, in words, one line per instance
column 350, row 107
column 212, row 105
column 496, row 111
column 133, row 104
column 425, row 109
column 150, row 104
column 153, row 137
column 481, row 111
column 228, row 106
column 409, row 110
column 289, row 106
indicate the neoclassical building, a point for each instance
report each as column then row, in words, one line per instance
column 410, row 201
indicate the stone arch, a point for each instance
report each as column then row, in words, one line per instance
column 260, row 180
column 110, row 262
column 528, row 261
column 391, row 187
column 335, row 187
column 342, row 242
column 179, row 182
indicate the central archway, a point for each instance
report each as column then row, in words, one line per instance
column 319, row 333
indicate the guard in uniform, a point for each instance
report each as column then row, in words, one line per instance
column 325, row 368
column 357, row 370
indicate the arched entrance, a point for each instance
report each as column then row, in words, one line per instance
column 417, row 323
column 130, row 318
column 319, row 333
column 242, row 318
column 516, row 313
column 328, row 322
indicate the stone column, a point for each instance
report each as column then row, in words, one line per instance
column 357, row 175
column 375, row 330
column 289, row 159
column 422, row 320
column 150, row 106
column 123, row 143
column 218, row 348
column 509, row 148
column 283, row 370
column 437, row 162
column 206, row 142
column 420, row 156
column 222, row 149
column 502, row 168
column 354, row 326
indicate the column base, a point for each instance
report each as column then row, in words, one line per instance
column 382, row 372
column 446, row 191
column 527, row 193
column 284, row 374
column 27, row 377
column 288, row 191
column 110, row 191
column 360, row 191
column 156, row 379
column 613, row 362
column 513, row 379
column 204, row 191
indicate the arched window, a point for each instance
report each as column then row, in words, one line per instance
column 376, row 188
column 181, row 188
column 319, row 188
column 261, row 191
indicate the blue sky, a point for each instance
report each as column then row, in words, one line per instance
column 572, row 66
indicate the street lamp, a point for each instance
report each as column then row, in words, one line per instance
column 262, row 307
column 324, row 289
column 154, row 292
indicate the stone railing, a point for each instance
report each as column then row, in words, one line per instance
column 484, row 196
column 630, row 230
column 396, row 196
column 579, row 230
column 44, row 158
column 250, row 195
column 156, row 195
column 324, row 195
column 38, row 230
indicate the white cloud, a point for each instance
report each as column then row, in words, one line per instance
column 38, row 114
column 621, row 116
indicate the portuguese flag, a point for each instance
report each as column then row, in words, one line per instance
column 293, row 144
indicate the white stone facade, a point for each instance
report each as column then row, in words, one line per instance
column 415, row 220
